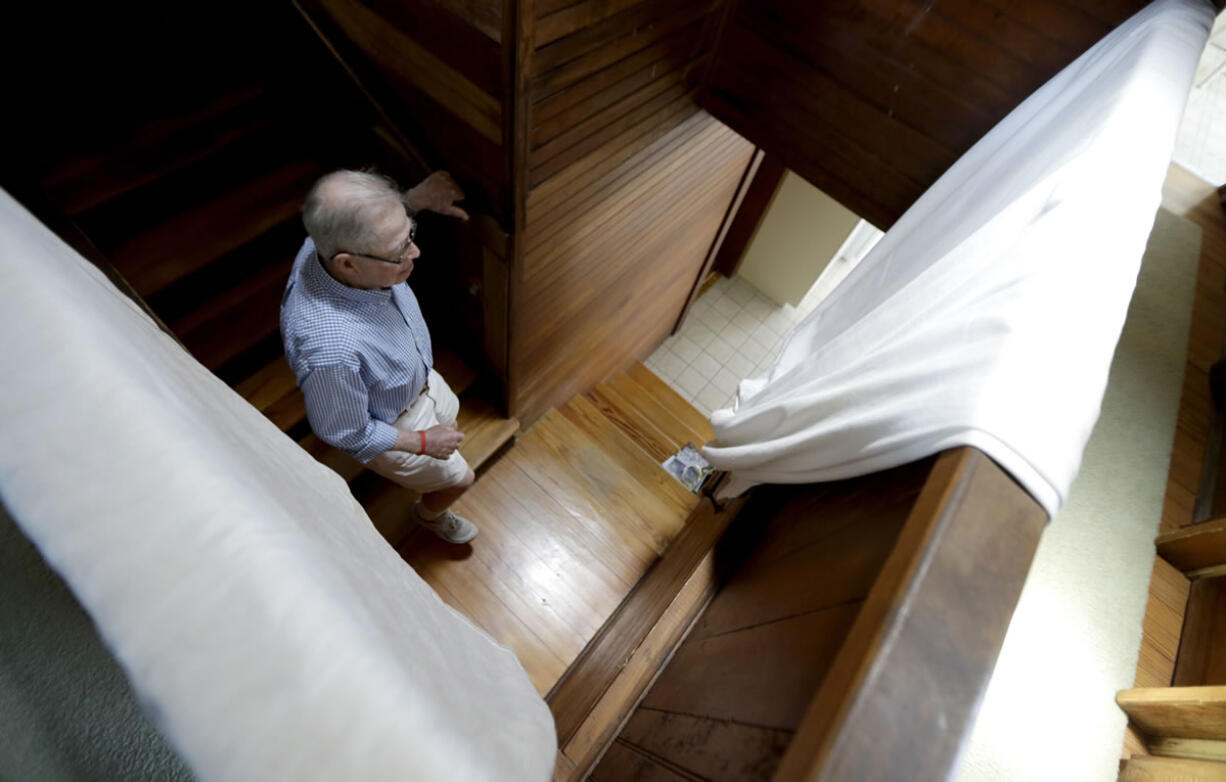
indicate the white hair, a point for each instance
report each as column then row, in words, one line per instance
column 343, row 208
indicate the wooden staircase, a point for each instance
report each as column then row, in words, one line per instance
column 194, row 199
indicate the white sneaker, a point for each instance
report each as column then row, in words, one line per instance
column 450, row 526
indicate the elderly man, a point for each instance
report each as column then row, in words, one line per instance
column 355, row 338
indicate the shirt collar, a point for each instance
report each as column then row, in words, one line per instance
column 322, row 282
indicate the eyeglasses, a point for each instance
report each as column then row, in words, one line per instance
column 393, row 261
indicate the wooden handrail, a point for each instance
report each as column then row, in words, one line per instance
column 927, row 638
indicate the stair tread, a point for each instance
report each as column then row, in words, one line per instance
column 631, row 422
column 485, row 430
column 156, row 150
column 672, row 401
column 239, row 318
column 188, row 242
column 628, row 392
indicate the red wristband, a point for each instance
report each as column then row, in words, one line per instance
column 423, row 441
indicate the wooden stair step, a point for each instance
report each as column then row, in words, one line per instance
column 269, row 385
column 631, row 422
column 157, row 150
column 1196, row 547
column 1148, row 768
column 341, row 463
column 191, row 240
column 485, row 430
column 672, row 401
column 238, row 319
column 458, row 373
column 1176, row 712
column 677, row 432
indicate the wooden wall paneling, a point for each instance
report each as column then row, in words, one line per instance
column 610, row 298
column 377, row 53
column 929, row 632
column 741, row 190
column 1162, row 626
column 607, row 123
column 519, row 32
column 587, row 194
column 653, row 178
column 1202, row 644
column 762, row 675
column 450, row 37
column 748, row 217
column 495, row 315
column 484, row 15
column 582, row 182
column 572, row 19
column 865, row 186
column 569, row 108
column 918, row 82
column 581, row 56
column 801, row 560
column 396, row 52
column 669, row 90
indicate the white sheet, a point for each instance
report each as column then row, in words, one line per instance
column 266, row 625
column 988, row 314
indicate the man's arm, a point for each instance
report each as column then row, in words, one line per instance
column 436, row 193
column 336, row 402
column 437, row 441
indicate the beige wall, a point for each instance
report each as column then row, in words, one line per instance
column 802, row 230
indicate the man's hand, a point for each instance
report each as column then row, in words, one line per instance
column 437, row 193
column 441, row 441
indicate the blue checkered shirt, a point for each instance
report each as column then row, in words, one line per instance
column 360, row 356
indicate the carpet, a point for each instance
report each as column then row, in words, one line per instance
column 1049, row 712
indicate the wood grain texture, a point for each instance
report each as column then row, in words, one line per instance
column 1202, row 644
column 1194, row 547
column 871, row 101
column 1195, row 749
column 1177, row 712
column 1162, row 626
column 575, row 696
column 594, row 300
column 801, row 561
column 398, row 54
column 570, row 523
column 1194, row 199
column 928, row 633
column 1153, row 769
column 607, row 716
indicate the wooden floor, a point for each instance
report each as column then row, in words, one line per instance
column 1194, row 199
column 572, row 515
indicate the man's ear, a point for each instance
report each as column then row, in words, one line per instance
column 344, row 263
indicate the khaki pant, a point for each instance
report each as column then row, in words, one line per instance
column 424, row 474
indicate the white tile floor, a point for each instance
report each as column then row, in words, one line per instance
column 1201, row 146
column 732, row 332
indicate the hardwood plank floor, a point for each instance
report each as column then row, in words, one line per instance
column 1188, row 196
column 571, row 517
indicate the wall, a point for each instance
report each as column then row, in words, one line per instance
column 802, row 230
column 628, row 183
column 871, row 100
column 803, row 559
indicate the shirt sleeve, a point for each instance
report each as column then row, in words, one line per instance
column 336, row 403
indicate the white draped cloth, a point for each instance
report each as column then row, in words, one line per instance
column 988, row 315
column 263, row 622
